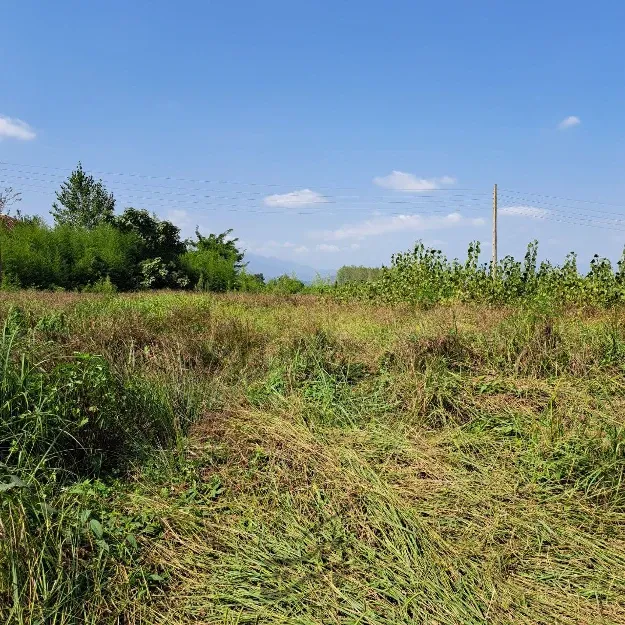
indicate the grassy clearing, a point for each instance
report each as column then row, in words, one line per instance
column 187, row 458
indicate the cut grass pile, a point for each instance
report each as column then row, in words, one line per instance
column 251, row 459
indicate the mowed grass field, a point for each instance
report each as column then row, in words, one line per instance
column 174, row 459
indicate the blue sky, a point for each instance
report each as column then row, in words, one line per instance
column 328, row 132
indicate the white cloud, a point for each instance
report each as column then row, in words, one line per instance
column 184, row 221
column 11, row 128
column 295, row 199
column 401, row 181
column 324, row 247
column 271, row 247
column 569, row 122
column 524, row 211
column 355, row 246
column 278, row 244
column 178, row 216
column 398, row 223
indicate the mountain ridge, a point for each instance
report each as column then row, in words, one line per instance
column 272, row 267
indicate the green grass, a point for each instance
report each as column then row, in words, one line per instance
column 189, row 458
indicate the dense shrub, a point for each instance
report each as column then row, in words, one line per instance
column 135, row 251
column 38, row 256
column 352, row 273
column 425, row 276
column 285, row 285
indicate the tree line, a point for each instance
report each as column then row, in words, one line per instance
column 91, row 247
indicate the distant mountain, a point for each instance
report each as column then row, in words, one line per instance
column 272, row 267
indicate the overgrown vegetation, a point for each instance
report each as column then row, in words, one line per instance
column 432, row 442
column 425, row 276
column 91, row 248
column 196, row 458
column 349, row 274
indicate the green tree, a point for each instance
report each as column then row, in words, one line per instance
column 83, row 201
column 222, row 245
column 160, row 238
column 285, row 285
column 37, row 255
column 8, row 197
column 250, row 282
column 159, row 251
column 213, row 263
column 352, row 273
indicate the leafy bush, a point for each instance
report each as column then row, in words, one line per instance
column 76, row 415
column 424, row 276
column 250, row 283
column 62, row 425
column 285, row 285
column 213, row 263
column 352, row 273
column 38, row 256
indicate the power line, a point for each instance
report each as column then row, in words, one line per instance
column 425, row 202
column 209, row 202
column 324, row 200
column 214, row 181
column 555, row 197
column 373, row 203
column 431, row 207
column 556, row 208
column 171, row 190
column 592, row 223
column 434, row 208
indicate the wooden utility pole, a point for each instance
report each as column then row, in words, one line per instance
column 493, row 267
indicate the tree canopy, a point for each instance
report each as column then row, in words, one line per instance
column 90, row 247
column 82, row 201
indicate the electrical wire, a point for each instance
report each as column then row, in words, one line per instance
column 183, row 192
column 555, row 197
column 213, row 181
column 208, row 201
column 515, row 201
column 426, row 202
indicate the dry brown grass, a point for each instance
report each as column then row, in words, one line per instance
column 369, row 464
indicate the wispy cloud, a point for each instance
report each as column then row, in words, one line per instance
column 271, row 247
column 398, row 223
column 278, row 244
column 532, row 212
column 179, row 217
column 325, row 247
column 401, row 181
column 11, row 128
column 569, row 122
column 295, row 199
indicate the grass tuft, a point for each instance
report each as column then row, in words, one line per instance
column 174, row 459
